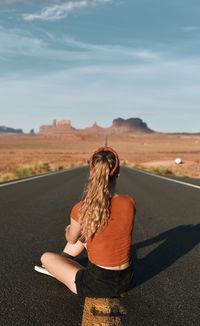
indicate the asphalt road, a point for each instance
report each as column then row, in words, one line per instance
column 165, row 248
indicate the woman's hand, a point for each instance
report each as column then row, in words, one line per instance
column 67, row 231
column 67, row 227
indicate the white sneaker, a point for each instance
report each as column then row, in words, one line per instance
column 42, row 270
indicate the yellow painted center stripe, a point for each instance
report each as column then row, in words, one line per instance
column 102, row 312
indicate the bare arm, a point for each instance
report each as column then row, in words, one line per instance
column 73, row 232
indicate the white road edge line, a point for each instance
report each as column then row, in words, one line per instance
column 57, row 172
column 39, row 176
column 165, row 178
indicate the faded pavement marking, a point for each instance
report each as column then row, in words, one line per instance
column 102, row 312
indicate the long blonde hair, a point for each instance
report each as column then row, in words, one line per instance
column 95, row 209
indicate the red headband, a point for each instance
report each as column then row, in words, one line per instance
column 100, row 149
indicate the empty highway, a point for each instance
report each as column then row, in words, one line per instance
column 166, row 250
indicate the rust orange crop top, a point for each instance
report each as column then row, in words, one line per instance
column 111, row 246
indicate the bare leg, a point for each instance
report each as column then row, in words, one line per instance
column 64, row 270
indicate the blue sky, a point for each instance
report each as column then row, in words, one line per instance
column 97, row 60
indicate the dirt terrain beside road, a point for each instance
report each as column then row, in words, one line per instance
column 155, row 152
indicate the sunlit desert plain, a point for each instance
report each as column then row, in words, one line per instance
column 25, row 155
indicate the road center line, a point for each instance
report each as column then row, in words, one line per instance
column 102, row 311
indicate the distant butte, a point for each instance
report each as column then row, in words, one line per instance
column 119, row 126
column 6, row 130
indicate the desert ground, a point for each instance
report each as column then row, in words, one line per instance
column 24, row 155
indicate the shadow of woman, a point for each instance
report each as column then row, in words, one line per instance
column 175, row 244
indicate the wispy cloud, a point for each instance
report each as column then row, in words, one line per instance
column 67, row 51
column 168, row 88
column 111, row 51
column 190, row 28
column 137, row 53
column 16, row 42
column 59, row 11
column 10, row 2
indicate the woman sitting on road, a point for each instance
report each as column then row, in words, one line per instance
column 102, row 222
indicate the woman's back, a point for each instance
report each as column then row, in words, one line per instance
column 111, row 246
column 104, row 222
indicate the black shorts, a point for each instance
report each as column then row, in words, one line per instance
column 98, row 282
